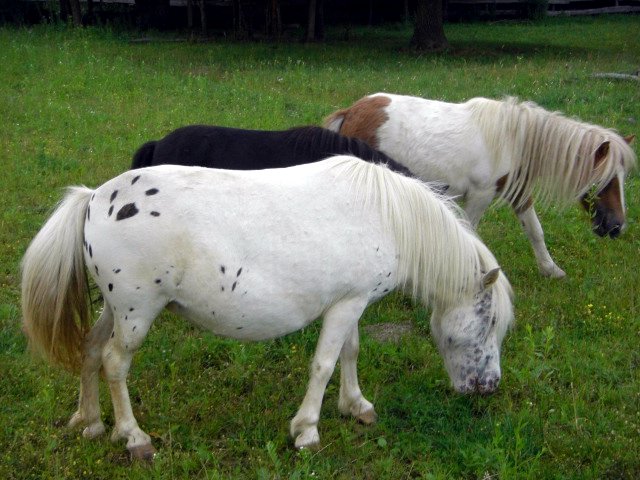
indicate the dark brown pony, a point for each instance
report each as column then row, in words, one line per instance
column 239, row 149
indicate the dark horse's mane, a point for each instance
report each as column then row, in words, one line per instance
column 238, row 149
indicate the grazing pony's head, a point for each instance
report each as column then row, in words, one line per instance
column 606, row 205
column 555, row 158
column 442, row 262
column 469, row 334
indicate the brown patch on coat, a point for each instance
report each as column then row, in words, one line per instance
column 518, row 205
column 362, row 119
column 609, row 197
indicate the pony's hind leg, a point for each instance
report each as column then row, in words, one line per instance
column 127, row 336
column 533, row 229
column 88, row 413
column 351, row 401
column 338, row 322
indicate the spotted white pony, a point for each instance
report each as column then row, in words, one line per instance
column 254, row 255
column 483, row 148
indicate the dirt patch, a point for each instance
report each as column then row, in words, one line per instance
column 389, row 332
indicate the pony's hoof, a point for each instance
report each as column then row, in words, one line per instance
column 554, row 273
column 308, row 439
column 367, row 418
column 94, row 430
column 75, row 421
column 144, row 453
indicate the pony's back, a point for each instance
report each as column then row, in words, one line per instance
column 239, row 149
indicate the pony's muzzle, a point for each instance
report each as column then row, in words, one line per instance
column 484, row 384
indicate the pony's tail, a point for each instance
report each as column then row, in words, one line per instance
column 144, row 155
column 334, row 121
column 55, row 307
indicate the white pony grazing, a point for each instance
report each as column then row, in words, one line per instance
column 254, row 255
column 483, row 148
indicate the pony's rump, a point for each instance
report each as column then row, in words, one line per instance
column 144, row 155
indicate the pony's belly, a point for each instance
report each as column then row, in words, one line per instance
column 247, row 324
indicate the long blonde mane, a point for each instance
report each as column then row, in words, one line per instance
column 440, row 257
column 551, row 156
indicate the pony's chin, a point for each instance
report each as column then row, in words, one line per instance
column 477, row 387
column 603, row 231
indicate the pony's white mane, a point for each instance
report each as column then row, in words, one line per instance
column 551, row 155
column 440, row 257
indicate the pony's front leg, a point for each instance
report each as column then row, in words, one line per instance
column 124, row 341
column 477, row 201
column 88, row 413
column 351, row 400
column 533, row 229
column 338, row 323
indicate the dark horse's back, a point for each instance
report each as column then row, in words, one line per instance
column 238, row 149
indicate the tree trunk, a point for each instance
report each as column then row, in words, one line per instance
column 76, row 12
column 203, row 18
column 428, row 34
column 311, row 25
column 190, row 16
column 273, row 20
column 240, row 27
column 65, row 8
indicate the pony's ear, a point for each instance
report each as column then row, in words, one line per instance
column 629, row 139
column 601, row 153
column 490, row 277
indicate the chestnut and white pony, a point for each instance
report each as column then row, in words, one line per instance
column 483, row 149
column 254, row 255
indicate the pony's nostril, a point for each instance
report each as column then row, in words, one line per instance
column 615, row 231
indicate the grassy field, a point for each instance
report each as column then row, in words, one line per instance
column 74, row 105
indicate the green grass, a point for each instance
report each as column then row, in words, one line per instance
column 76, row 104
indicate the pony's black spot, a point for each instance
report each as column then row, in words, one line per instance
column 389, row 274
column 97, row 272
column 134, row 328
column 449, row 340
column 127, row 211
column 131, row 309
column 151, row 191
column 233, row 287
column 222, row 288
column 375, row 289
column 379, row 283
column 90, row 252
column 155, row 214
column 113, row 334
column 116, row 270
column 111, row 287
column 222, row 269
column 385, row 290
column 113, row 196
column 88, row 213
column 244, row 293
column 93, row 196
column 158, row 281
column 213, row 313
column 239, row 328
column 239, row 272
column 126, row 317
column 110, row 210
column 137, row 288
column 135, row 179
